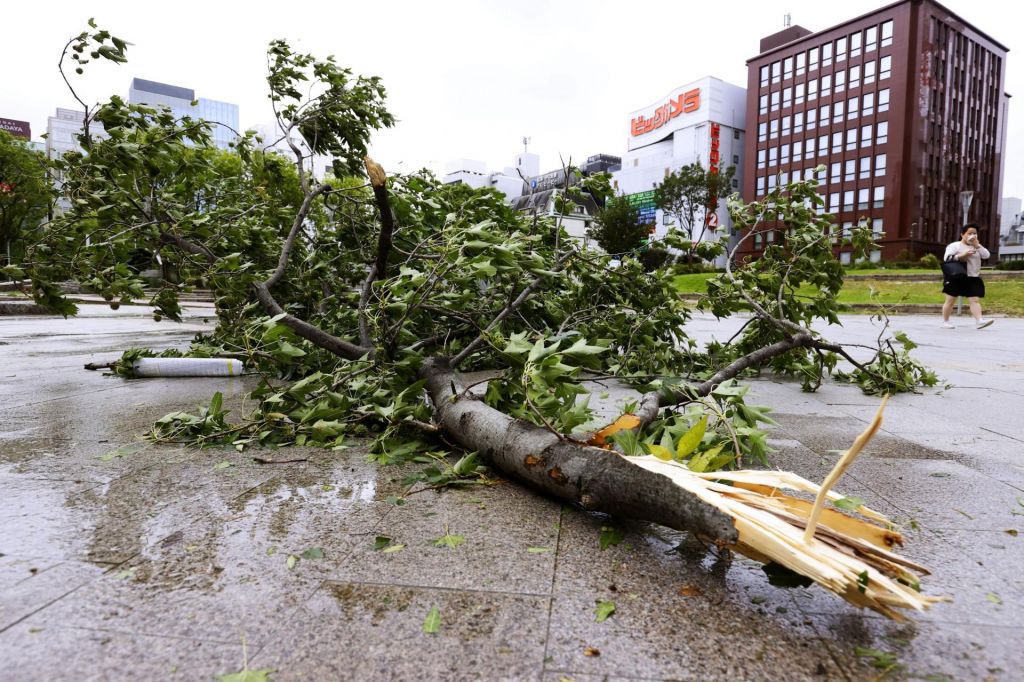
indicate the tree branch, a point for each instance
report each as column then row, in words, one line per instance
column 311, row 333
column 378, row 180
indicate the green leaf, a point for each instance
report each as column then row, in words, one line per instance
column 380, row 542
column 291, row 561
column 848, row 503
column 432, row 623
column 450, row 541
column 880, row 659
column 223, row 464
column 604, row 610
column 692, row 438
column 994, row 598
column 261, row 675
column 391, row 549
column 538, row 550
column 610, row 536
column 313, row 553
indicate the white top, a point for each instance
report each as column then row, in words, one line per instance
column 958, row 248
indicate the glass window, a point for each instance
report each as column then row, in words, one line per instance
column 838, row 110
column 883, row 100
column 776, row 72
column 852, row 108
column 865, row 135
column 848, row 200
column 758, row 240
column 787, row 97
column 762, row 158
column 837, row 142
column 812, row 119
column 762, row 131
column 855, row 43
column 879, row 165
column 869, row 104
column 798, row 122
column 862, row 198
column 760, row 184
column 801, row 63
column 824, row 111
column 850, row 174
column 833, row 202
column 809, row 144
column 879, row 197
column 822, row 145
column 854, row 76
column 826, row 85
column 826, row 54
column 771, row 182
column 847, row 233
column 851, row 139
column 871, row 39
column 884, row 67
column 877, row 227
column 787, row 68
column 799, row 93
column 812, row 89
column 869, row 72
column 764, row 75
column 763, row 109
column 775, row 101
column 812, row 59
column 786, row 125
column 865, row 168
column 887, row 33
column 784, row 158
column 835, row 173
column 821, row 174
column 774, row 128
column 840, row 78
column 783, row 178
column 798, row 150
column 773, row 156
column 844, row 257
column 882, row 136
column 840, row 49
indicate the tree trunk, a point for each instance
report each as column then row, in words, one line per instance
column 598, row 480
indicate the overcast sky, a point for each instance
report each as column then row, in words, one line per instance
column 464, row 79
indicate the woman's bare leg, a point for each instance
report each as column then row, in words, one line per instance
column 975, row 308
column 947, row 307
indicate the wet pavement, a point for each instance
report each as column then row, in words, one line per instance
column 125, row 560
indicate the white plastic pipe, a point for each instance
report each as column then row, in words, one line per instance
column 188, row 367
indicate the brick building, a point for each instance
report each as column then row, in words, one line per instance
column 904, row 107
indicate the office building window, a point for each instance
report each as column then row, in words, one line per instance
column 763, row 108
column 824, row 111
column 871, row 39
column 801, row 63
column 826, row 55
column 887, row 33
column 836, row 175
column 877, row 228
column 783, row 178
column 865, row 168
column 822, row 145
column 784, row 157
column 771, row 182
column 869, row 104
column 799, row 93
column 760, row 185
column 862, row 199
column 851, row 170
column 798, row 122
column 787, row 97
column 879, row 165
column 837, row 142
column 826, row 85
column 855, row 45
column 773, row 156
column 809, row 145
column 865, row 135
column 764, row 75
column 882, row 134
column 869, row 72
column 883, row 100
column 787, row 68
column 848, row 200
column 833, row 202
column 774, row 129
column 762, row 131
column 786, row 125
column 798, row 151
column 852, row 108
column 884, row 67
column 838, row 110
column 840, row 49
column 840, row 81
column 854, row 77
column 812, row 59
column 758, row 240
column 812, row 119
column 879, row 196
column 821, row 174
column 775, row 101
column 851, row 139
column 776, row 72
column 762, row 158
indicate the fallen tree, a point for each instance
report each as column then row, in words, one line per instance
column 361, row 297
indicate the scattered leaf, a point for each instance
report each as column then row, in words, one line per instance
column 224, row 464
column 380, row 542
column 1011, row 531
column 610, row 536
column 960, row 511
column 313, row 553
column 449, row 540
column 291, row 561
column 392, row 549
column 939, row 474
column 879, row 659
column 848, row 503
column 690, row 591
column 271, row 551
column 591, row 651
column 122, row 451
column 538, row 550
column 604, row 610
column 994, row 598
column 432, row 623
column 261, row 675
column 758, row 599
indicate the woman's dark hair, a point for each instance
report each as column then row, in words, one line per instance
column 969, row 226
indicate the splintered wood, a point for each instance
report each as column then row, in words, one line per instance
column 850, row 556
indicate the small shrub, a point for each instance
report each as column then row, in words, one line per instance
column 1010, row 265
column 929, row 260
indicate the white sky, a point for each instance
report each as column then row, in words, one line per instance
column 464, row 79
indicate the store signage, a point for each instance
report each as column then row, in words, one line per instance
column 714, row 158
column 16, row 128
column 645, row 207
column 683, row 104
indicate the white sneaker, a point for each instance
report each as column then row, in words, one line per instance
column 948, row 325
column 984, row 323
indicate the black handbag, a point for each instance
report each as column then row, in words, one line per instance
column 953, row 269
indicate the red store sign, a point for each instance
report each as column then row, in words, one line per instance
column 684, row 104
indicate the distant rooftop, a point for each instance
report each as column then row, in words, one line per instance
column 163, row 89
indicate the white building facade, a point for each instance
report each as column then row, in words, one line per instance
column 183, row 102
column 701, row 122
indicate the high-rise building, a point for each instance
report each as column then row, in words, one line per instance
column 183, row 102
column 904, row 107
column 702, row 122
column 62, row 132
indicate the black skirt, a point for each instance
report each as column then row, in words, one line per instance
column 968, row 287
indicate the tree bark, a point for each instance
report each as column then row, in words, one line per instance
column 598, row 480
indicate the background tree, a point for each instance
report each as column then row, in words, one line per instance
column 425, row 280
column 617, row 229
column 690, row 196
column 25, row 192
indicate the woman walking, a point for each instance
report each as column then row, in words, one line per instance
column 970, row 252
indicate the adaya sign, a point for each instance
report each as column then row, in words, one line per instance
column 683, row 104
column 16, row 128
